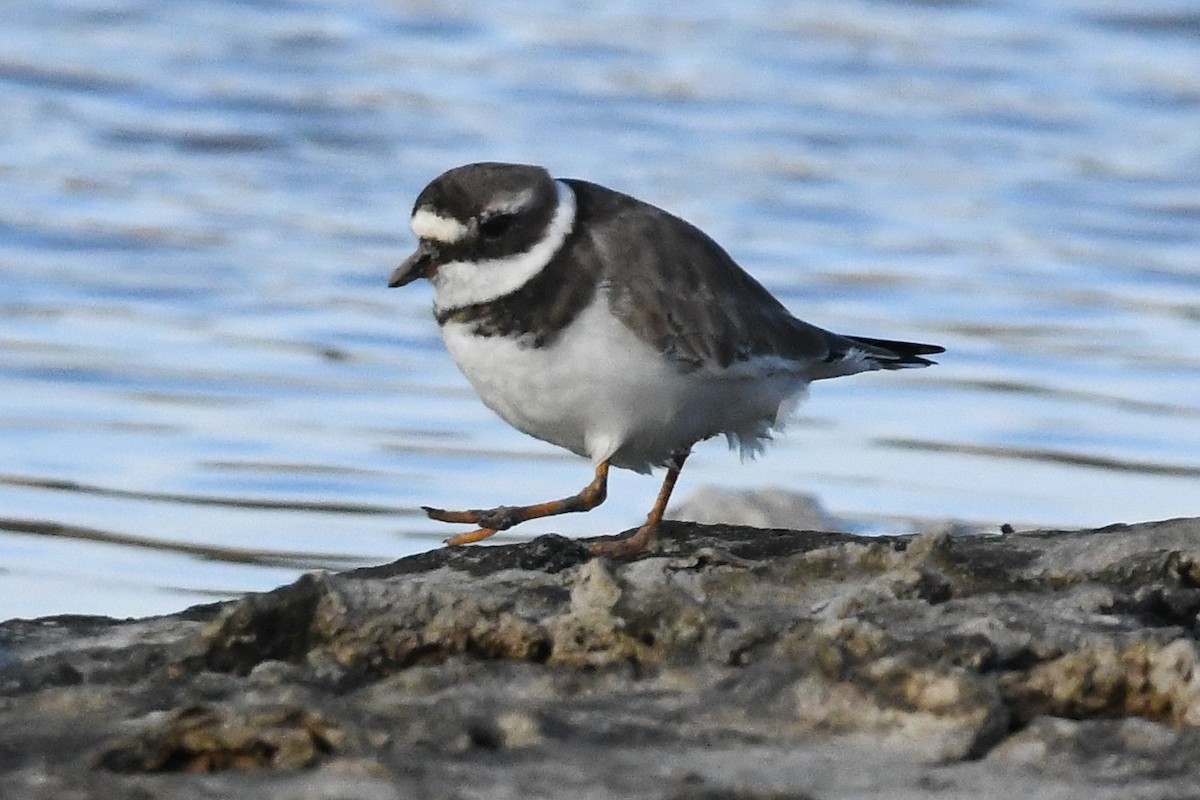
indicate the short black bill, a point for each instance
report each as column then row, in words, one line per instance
column 420, row 264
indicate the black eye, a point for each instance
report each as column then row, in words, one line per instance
column 495, row 225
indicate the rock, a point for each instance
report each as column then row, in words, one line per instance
column 765, row 508
column 730, row 663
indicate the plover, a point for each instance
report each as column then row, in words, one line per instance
column 607, row 326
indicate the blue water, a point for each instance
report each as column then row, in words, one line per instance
column 206, row 388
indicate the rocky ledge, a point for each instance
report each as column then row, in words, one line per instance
column 732, row 663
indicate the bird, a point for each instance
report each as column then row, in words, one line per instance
column 611, row 328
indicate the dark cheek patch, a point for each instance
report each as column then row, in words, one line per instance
column 539, row 311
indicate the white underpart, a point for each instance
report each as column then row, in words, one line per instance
column 463, row 283
column 601, row 392
column 427, row 224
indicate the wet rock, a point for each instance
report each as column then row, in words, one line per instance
column 731, row 662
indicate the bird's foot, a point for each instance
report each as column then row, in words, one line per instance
column 637, row 543
column 500, row 518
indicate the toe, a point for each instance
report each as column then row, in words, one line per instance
column 442, row 515
column 469, row 538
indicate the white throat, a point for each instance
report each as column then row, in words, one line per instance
column 464, row 283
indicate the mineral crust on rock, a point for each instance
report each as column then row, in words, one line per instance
column 731, row 663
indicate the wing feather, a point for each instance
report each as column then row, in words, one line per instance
column 686, row 296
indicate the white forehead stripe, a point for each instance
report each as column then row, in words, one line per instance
column 464, row 283
column 428, row 225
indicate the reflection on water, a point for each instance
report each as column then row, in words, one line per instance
column 1046, row 455
column 231, row 555
column 205, row 387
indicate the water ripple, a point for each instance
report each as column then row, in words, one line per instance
column 1049, row 456
column 200, row 365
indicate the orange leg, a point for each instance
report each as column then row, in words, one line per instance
column 643, row 538
column 502, row 518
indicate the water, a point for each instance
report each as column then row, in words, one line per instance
column 205, row 387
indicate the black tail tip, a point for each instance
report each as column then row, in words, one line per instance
column 906, row 354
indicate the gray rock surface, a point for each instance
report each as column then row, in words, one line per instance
column 785, row 508
column 733, row 663
column 762, row 508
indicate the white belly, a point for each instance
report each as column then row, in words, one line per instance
column 601, row 392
